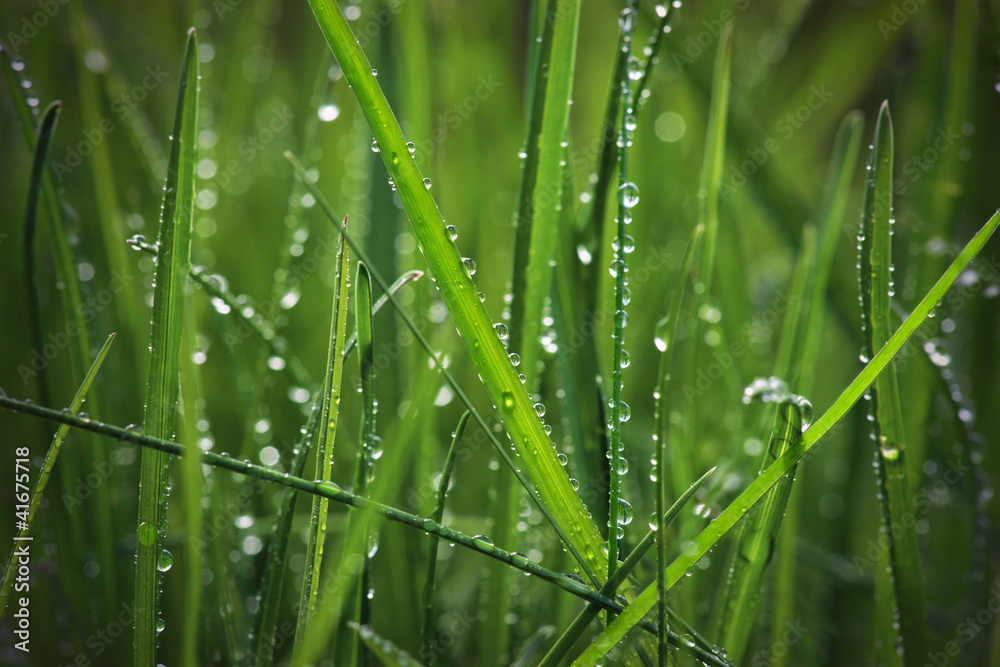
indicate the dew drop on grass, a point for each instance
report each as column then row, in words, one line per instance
column 501, row 330
column 617, row 266
column 634, row 70
column 374, row 72
column 470, row 266
column 427, row 183
column 160, row 625
column 621, row 318
column 412, row 147
column 165, row 562
column 452, row 231
column 539, row 409
column 625, row 20
column 508, row 399
column 563, row 459
column 515, row 358
column 624, row 512
column 375, row 148
column 628, row 195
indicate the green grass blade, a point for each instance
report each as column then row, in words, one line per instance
column 619, row 510
column 759, row 531
column 666, row 343
column 324, row 447
column 587, row 616
column 388, row 653
column 537, row 460
column 432, row 548
column 46, row 129
column 43, row 475
column 905, row 599
column 162, row 388
column 760, row 486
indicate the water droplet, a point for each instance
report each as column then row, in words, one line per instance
column 452, row 231
column 412, row 147
column 539, row 409
column 624, row 512
column 634, row 68
column 470, row 266
column 427, row 183
column 374, row 72
column 625, row 360
column 375, row 148
column 515, row 358
column 165, row 562
column 501, row 330
column 625, row 413
column 628, row 195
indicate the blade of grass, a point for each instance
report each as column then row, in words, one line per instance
column 904, row 601
column 324, row 447
column 432, row 548
column 331, row 491
column 666, row 343
column 759, row 530
column 388, row 653
column 365, row 470
column 162, row 388
column 610, row 589
column 43, row 475
column 760, row 486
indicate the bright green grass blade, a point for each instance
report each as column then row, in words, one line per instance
column 432, row 548
column 46, row 129
column 162, row 388
column 367, row 444
column 665, row 342
column 324, row 447
column 760, row 486
column 24, row 525
column 388, row 653
column 587, row 616
column 542, row 181
column 905, row 600
column 619, row 510
column 759, row 530
column 537, row 457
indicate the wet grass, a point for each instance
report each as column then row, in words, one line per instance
column 544, row 377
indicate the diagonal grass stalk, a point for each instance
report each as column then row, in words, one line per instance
column 324, row 447
column 44, row 473
column 767, row 479
column 903, row 601
column 162, row 388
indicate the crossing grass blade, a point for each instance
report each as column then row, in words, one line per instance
column 904, row 596
column 432, row 545
column 388, row 653
column 324, row 447
column 162, row 388
column 767, row 479
column 758, row 533
column 573, row 633
column 45, row 472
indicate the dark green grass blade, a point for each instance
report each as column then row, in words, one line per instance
column 666, row 343
column 760, row 486
column 388, row 654
column 46, row 129
column 162, row 388
column 587, row 616
column 324, row 448
column 905, row 600
column 758, row 533
column 429, row 580
column 31, row 506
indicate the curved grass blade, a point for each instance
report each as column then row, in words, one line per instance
column 162, row 388
column 760, row 486
column 904, row 596
column 610, row 589
column 388, row 653
column 324, row 447
column 443, row 484
column 43, row 475
column 46, row 129
column 759, row 530
column 666, row 344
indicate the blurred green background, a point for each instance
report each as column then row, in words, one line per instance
column 454, row 73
